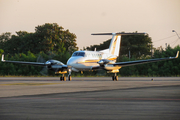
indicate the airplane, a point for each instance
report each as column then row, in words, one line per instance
column 93, row 60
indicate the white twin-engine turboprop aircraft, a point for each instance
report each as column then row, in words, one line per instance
column 93, row 60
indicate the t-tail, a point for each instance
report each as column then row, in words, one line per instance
column 114, row 46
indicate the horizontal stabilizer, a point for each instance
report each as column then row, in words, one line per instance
column 118, row 33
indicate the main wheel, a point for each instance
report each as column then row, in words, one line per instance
column 61, row 78
column 116, row 78
column 113, row 77
column 64, row 78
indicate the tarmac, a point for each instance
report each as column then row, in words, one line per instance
column 90, row 98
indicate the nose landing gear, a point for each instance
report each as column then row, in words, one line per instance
column 115, row 77
column 63, row 78
column 69, row 76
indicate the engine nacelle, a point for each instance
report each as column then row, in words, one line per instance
column 111, row 67
column 103, row 62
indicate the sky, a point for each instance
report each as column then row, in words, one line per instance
column 83, row 17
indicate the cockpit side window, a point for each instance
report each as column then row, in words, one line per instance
column 78, row 54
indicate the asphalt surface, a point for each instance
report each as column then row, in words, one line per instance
column 90, row 98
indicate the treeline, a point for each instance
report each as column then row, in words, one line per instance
column 140, row 47
column 29, row 70
column 49, row 41
column 162, row 68
column 46, row 38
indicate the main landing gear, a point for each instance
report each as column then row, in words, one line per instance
column 115, row 77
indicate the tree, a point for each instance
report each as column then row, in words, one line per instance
column 47, row 38
column 4, row 37
column 102, row 46
column 52, row 37
column 138, row 45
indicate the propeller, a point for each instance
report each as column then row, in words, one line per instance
column 51, row 64
column 44, row 70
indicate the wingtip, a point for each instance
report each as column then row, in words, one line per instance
column 177, row 54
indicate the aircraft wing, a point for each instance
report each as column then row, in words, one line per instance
column 130, row 63
column 22, row 62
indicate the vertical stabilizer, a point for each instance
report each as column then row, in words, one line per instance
column 115, row 45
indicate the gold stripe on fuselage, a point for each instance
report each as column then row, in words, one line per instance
column 95, row 61
column 112, row 58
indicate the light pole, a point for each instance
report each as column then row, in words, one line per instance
column 176, row 33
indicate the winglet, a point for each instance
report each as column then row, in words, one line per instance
column 2, row 59
column 177, row 54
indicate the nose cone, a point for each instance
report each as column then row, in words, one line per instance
column 71, row 61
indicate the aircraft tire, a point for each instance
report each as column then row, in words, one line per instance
column 64, row 78
column 113, row 78
column 61, row 78
column 116, row 78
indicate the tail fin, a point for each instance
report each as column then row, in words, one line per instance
column 115, row 45
column 116, row 40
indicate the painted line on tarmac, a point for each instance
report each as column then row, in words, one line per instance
column 29, row 84
column 107, row 99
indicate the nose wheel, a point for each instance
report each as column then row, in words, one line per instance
column 62, row 78
column 69, row 76
column 115, row 77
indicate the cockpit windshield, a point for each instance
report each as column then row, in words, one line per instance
column 78, row 54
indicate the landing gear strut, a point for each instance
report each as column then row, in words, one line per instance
column 69, row 76
column 115, row 77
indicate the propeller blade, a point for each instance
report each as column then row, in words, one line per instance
column 44, row 71
column 40, row 59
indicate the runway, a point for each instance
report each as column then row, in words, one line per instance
column 90, row 98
